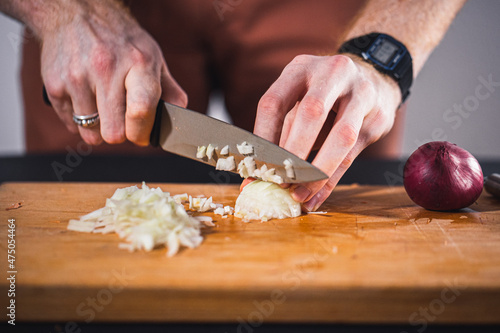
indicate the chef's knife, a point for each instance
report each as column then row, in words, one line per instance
column 182, row 131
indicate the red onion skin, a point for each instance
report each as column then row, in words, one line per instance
column 442, row 176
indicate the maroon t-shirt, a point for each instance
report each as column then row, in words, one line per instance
column 239, row 47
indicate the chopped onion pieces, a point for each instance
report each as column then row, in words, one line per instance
column 225, row 150
column 249, row 164
column 228, row 210
column 207, row 220
column 290, row 173
column 210, row 151
column 226, row 164
column 242, row 170
column 220, row 211
column 267, row 175
column 200, row 204
column 245, row 148
column 144, row 218
column 181, row 198
column 201, row 152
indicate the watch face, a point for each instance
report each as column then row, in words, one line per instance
column 385, row 51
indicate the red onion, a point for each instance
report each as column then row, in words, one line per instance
column 442, row 176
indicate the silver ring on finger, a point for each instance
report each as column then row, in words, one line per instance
column 86, row 121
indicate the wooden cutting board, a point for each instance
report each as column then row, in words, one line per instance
column 374, row 257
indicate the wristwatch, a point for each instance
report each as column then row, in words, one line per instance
column 387, row 55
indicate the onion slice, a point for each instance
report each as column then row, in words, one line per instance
column 263, row 201
column 226, row 164
column 245, row 148
column 290, row 172
column 210, row 151
column 201, row 152
column 225, row 150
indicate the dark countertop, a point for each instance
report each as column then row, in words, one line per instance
column 173, row 169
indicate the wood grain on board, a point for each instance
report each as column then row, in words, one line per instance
column 374, row 257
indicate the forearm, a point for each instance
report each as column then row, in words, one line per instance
column 418, row 24
column 44, row 17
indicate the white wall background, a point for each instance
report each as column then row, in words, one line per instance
column 470, row 51
column 11, row 115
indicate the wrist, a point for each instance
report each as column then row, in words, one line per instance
column 386, row 55
column 387, row 89
column 46, row 17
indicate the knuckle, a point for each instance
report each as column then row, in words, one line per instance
column 381, row 119
column 138, row 113
column 75, row 74
column 91, row 138
column 137, row 139
column 269, row 104
column 328, row 188
column 102, row 59
column 143, row 101
column 313, row 108
column 366, row 88
column 55, row 89
column 113, row 137
column 341, row 62
column 346, row 162
column 377, row 125
column 348, row 134
column 139, row 57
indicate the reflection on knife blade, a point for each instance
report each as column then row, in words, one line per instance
column 182, row 132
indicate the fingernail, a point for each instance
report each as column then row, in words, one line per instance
column 312, row 205
column 300, row 193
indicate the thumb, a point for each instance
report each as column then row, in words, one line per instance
column 171, row 91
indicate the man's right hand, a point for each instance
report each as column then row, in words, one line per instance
column 96, row 57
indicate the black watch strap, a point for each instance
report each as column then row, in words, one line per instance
column 402, row 66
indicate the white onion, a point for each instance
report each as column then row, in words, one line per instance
column 266, row 174
column 228, row 210
column 270, row 176
column 245, row 148
column 246, row 167
column 181, row 198
column 145, row 218
column 210, row 151
column 242, row 170
column 290, row 172
column 220, row 211
column 263, row 201
column 226, row 164
column 201, row 152
column 224, row 150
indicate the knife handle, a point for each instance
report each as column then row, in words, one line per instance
column 154, row 138
column 46, row 99
column 492, row 185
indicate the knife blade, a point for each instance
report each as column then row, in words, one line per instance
column 182, row 131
